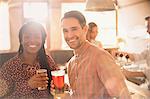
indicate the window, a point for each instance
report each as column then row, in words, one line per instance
column 36, row 11
column 4, row 27
column 105, row 20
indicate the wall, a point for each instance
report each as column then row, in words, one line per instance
column 132, row 24
column 15, row 13
column 55, row 31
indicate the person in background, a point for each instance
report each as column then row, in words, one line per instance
column 92, row 33
column 92, row 72
column 145, row 55
column 18, row 77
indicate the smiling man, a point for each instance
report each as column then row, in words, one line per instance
column 93, row 73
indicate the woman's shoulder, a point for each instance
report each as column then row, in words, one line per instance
column 9, row 64
column 12, row 60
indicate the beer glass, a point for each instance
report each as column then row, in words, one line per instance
column 58, row 79
column 40, row 71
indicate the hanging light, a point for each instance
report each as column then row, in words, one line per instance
column 100, row 5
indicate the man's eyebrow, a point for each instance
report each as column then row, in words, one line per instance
column 74, row 27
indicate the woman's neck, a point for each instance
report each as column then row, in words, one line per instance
column 29, row 58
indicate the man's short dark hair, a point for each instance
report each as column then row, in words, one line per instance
column 77, row 15
column 146, row 18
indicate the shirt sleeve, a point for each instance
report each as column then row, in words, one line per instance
column 140, row 56
column 3, row 87
column 6, row 79
column 111, row 76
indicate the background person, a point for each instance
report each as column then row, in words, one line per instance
column 145, row 55
column 92, row 33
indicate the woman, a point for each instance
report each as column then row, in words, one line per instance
column 18, row 77
column 92, row 33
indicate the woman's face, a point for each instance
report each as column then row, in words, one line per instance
column 94, row 32
column 32, row 40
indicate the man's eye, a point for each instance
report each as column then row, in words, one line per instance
column 64, row 31
column 74, row 29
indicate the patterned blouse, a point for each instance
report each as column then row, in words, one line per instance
column 14, row 76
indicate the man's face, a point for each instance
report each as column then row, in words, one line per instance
column 74, row 34
column 148, row 26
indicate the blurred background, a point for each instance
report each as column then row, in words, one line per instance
column 122, row 26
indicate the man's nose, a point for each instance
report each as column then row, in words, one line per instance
column 70, row 34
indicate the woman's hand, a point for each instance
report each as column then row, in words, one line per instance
column 38, row 80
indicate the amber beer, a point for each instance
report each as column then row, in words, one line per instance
column 39, row 71
column 58, row 79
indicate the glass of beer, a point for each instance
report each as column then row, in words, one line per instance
column 40, row 71
column 58, row 79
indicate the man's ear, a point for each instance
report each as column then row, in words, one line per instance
column 85, row 29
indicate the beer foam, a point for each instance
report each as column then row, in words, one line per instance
column 58, row 73
column 41, row 71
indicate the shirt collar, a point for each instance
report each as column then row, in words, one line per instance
column 82, row 48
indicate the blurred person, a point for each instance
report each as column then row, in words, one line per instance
column 145, row 55
column 92, row 33
column 18, row 77
column 92, row 72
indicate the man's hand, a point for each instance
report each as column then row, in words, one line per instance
column 52, row 89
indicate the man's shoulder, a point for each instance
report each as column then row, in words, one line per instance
column 99, row 52
column 95, row 49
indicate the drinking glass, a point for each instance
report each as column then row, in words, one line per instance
column 40, row 71
column 58, row 79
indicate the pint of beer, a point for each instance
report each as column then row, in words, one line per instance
column 39, row 71
column 58, row 79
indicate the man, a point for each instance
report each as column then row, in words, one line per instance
column 92, row 72
column 145, row 55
